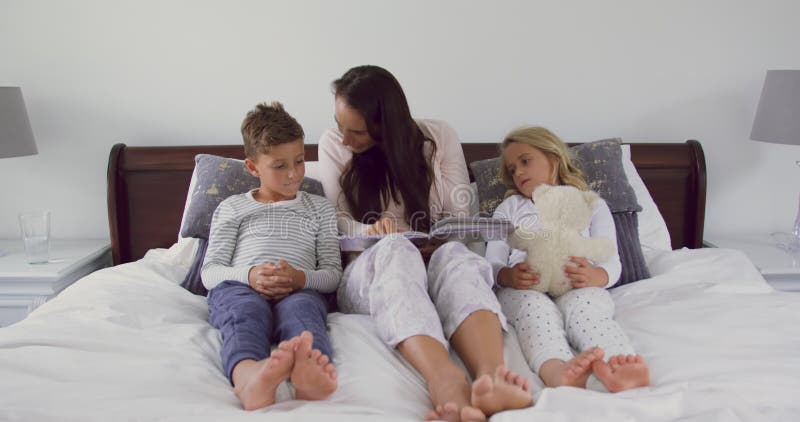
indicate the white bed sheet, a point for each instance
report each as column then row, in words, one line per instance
column 127, row 343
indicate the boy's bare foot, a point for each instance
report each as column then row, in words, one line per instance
column 256, row 381
column 449, row 392
column 472, row 414
column 622, row 372
column 313, row 376
column 503, row 391
column 450, row 412
column 572, row 373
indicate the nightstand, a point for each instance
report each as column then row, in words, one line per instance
column 24, row 287
column 781, row 269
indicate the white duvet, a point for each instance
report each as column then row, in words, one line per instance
column 128, row 343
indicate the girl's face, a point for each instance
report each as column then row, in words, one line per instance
column 528, row 166
column 352, row 126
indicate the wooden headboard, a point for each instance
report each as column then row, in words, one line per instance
column 147, row 188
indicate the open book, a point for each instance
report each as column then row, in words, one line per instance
column 464, row 229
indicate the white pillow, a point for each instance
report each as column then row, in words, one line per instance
column 653, row 231
column 312, row 171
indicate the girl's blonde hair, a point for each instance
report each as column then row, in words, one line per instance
column 564, row 171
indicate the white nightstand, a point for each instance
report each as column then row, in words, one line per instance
column 781, row 269
column 24, row 287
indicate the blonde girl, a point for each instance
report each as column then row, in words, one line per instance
column 582, row 319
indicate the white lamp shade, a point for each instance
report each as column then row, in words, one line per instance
column 16, row 136
column 778, row 114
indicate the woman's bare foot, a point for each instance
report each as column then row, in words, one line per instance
column 503, row 391
column 572, row 373
column 313, row 376
column 622, row 372
column 255, row 382
column 449, row 392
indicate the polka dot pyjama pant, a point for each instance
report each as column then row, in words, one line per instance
column 546, row 328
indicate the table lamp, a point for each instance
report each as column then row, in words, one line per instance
column 16, row 136
column 778, row 121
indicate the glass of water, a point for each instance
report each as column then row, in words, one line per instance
column 35, row 228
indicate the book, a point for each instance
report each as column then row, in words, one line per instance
column 463, row 229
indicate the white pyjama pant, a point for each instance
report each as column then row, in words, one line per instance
column 583, row 318
column 389, row 282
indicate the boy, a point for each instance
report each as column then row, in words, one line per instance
column 271, row 252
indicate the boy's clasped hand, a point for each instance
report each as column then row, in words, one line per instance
column 276, row 281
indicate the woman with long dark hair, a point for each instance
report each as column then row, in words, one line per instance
column 387, row 173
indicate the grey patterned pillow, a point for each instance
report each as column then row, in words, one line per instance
column 491, row 189
column 216, row 179
column 600, row 161
column 634, row 267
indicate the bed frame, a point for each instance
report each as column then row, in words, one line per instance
column 147, row 188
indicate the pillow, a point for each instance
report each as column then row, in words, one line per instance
column 193, row 282
column 602, row 165
column 634, row 265
column 491, row 189
column 474, row 211
column 218, row 178
column 653, row 232
column 600, row 161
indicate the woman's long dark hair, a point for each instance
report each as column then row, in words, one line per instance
column 395, row 168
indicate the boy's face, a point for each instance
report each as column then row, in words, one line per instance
column 280, row 171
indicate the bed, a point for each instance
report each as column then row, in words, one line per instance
column 128, row 343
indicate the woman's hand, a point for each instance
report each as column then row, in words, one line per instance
column 521, row 276
column 385, row 225
column 584, row 274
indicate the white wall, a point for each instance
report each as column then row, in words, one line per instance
column 95, row 73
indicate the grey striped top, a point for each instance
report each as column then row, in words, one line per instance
column 245, row 233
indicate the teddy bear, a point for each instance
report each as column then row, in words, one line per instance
column 564, row 212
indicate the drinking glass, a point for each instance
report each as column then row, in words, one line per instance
column 35, row 228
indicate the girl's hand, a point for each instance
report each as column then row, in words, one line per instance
column 584, row 274
column 270, row 281
column 521, row 276
column 385, row 225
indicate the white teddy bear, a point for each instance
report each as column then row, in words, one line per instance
column 564, row 212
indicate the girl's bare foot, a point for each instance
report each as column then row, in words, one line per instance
column 313, row 376
column 572, row 373
column 255, row 382
column 503, row 391
column 449, row 392
column 622, row 372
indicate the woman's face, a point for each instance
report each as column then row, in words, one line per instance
column 353, row 127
